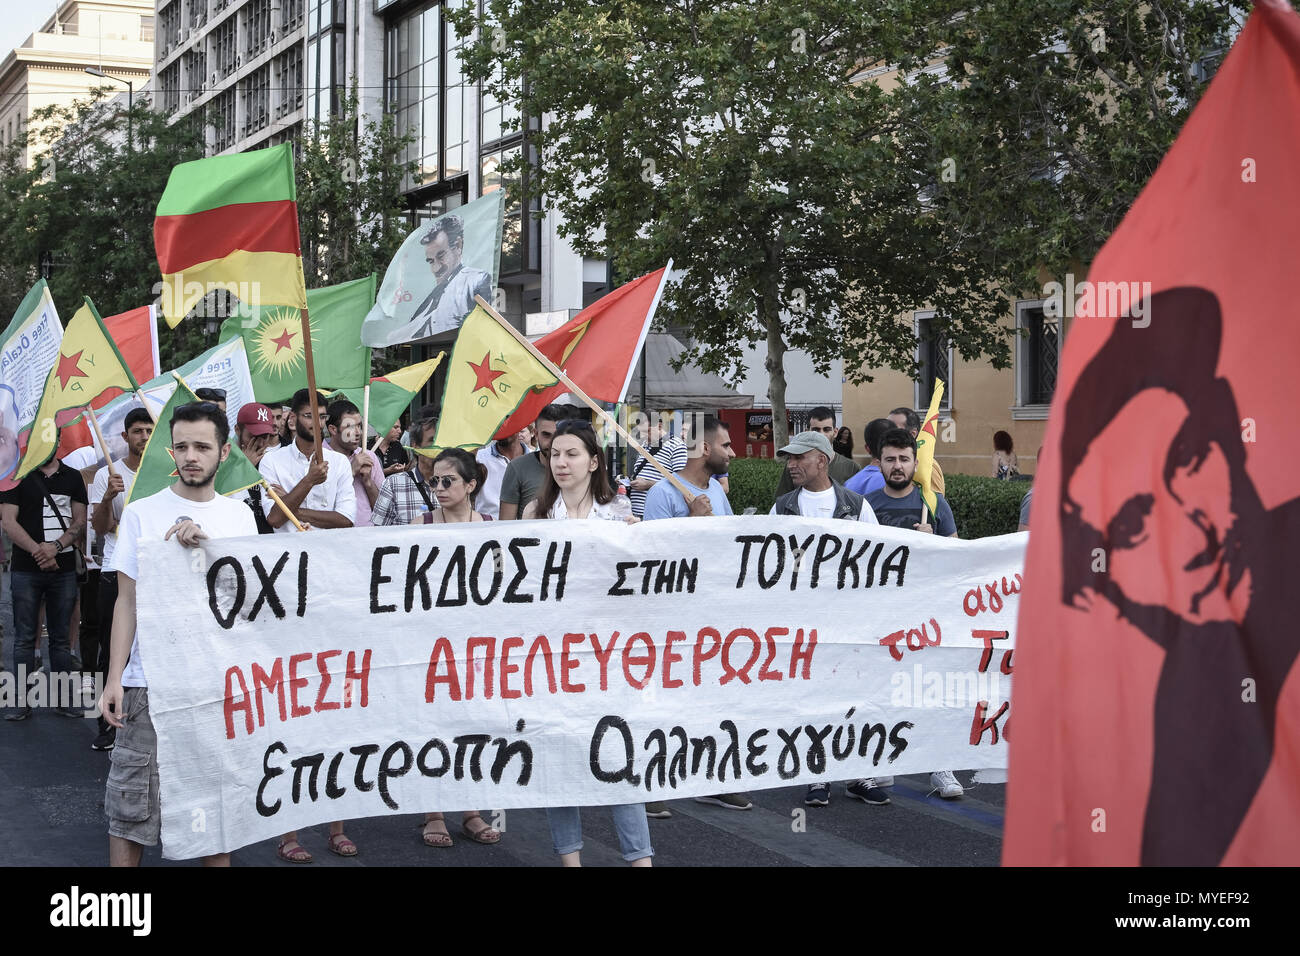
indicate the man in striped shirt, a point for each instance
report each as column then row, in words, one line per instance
column 670, row 452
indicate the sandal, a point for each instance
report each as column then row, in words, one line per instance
column 341, row 845
column 485, row 834
column 440, row 839
column 291, row 851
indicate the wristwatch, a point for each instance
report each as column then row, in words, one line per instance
column 58, row 546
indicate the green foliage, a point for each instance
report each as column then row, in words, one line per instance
column 753, row 483
column 984, row 506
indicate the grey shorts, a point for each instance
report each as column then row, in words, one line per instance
column 131, row 798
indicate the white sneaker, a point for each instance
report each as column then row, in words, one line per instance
column 946, row 784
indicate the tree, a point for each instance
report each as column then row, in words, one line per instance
column 1050, row 118
column 734, row 139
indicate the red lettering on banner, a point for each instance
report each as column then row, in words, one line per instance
column 488, row 645
column 544, row 646
column 273, row 681
column 321, row 658
column 603, row 655
column 442, row 653
column 916, row 638
column 296, row 682
column 728, row 672
column 647, row 661
column 232, row 707
column 507, row 668
column 352, row 676
column 699, row 658
column 798, row 653
column 568, row 663
column 770, row 636
column 670, row 658
column 988, row 637
column 979, row 726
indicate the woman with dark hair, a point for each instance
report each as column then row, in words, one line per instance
column 575, row 485
column 457, row 478
column 1005, row 464
column 843, row 443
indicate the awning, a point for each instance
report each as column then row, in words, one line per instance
column 688, row 389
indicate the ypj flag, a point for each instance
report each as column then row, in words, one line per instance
column 158, row 464
column 598, row 348
column 87, row 366
column 925, row 442
column 230, row 222
column 489, row 374
column 392, row 394
column 273, row 340
column 1157, row 701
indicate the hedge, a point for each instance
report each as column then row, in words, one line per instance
column 982, row 506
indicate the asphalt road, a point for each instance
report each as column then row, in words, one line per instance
column 52, row 797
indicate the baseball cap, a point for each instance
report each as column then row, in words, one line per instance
column 808, row 441
column 256, row 417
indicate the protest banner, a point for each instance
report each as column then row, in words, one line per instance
column 29, row 346
column 374, row 671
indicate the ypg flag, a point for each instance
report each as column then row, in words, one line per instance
column 489, row 375
column 925, row 441
column 158, row 464
column 392, row 394
column 88, row 365
column 273, row 340
column 1157, row 700
column 230, row 222
column 598, row 348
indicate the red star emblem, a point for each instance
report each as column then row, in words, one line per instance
column 70, row 368
column 484, row 376
column 928, row 428
column 285, row 341
column 175, row 471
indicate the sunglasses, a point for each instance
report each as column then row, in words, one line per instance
column 212, row 394
column 444, row 482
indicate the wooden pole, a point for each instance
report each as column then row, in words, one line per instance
column 283, row 507
column 311, row 382
column 568, row 384
column 365, row 419
column 99, row 436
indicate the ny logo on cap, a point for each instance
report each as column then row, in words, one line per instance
column 261, row 415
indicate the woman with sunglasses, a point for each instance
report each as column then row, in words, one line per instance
column 575, row 485
column 457, row 478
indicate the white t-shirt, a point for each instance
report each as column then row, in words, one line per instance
column 287, row 466
column 148, row 519
column 821, row 504
column 98, row 489
column 598, row 511
column 488, row 499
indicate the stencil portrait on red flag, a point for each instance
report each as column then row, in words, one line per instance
column 1157, row 699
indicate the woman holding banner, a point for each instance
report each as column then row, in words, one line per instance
column 457, row 478
column 575, row 485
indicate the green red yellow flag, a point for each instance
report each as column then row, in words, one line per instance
column 392, row 394
column 273, row 340
column 230, row 222
column 925, row 442
column 88, row 364
column 158, row 465
column 490, row 373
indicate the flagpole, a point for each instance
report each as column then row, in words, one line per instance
column 311, row 381
column 283, row 507
column 365, row 418
column 570, row 386
column 94, row 423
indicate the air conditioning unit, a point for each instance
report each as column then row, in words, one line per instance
column 213, row 80
column 273, row 38
column 238, row 60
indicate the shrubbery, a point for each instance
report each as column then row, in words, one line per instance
column 981, row 506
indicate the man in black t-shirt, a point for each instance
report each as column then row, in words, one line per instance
column 45, row 517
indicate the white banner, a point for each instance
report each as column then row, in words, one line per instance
column 370, row 671
column 28, row 349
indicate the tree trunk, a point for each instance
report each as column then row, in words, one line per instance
column 770, row 310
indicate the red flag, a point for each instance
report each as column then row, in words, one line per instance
column 1157, row 701
column 135, row 334
column 597, row 348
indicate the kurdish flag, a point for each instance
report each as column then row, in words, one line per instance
column 273, row 340
column 230, row 222
column 88, row 364
column 391, row 394
column 491, row 372
column 158, row 464
column 925, row 440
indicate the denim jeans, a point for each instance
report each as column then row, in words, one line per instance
column 629, row 821
column 58, row 589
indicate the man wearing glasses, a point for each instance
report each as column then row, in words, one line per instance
column 822, row 421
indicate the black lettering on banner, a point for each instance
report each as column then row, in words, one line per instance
column 332, row 788
column 686, row 575
column 787, row 763
column 849, row 561
column 478, row 742
column 817, row 749
column 624, row 772
column 702, row 746
column 267, row 585
column 732, row 753
column 386, row 770
column 616, row 589
column 512, row 596
column 362, row 753
column 677, row 766
column 419, row 574
column 897, row 739
column 508, row 751
column 658, row 762
column 869, row 731
column 377, row 577
column 455, row 566
column 756, row 750
column 302, row 583
column 557, row 569
column 313, row 761
column 798, row 550
column 492, row 549
column 847, row 751
column 765, row 582
column 746, row 541
column 227, row 621
column 897, row 562
column 421, row 760
column 824, row 554
column 268, row 774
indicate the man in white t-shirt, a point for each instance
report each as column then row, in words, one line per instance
column 320, row 491
column 191, row 511
column 107, row 498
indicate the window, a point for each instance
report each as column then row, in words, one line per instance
column 257, row 100
column 146, row 29
column 1038, row 351
column 934, row 356
column 459, row 103
column 196, row 72
column 326, row 59
column 257, row 26
column 290, row 15
column 221, row 117
column 198, row 13
column 288, row 81
column 223, row 48
column 169, row 21
column 169, row 80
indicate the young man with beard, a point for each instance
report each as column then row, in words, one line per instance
column 345, row 436
column 899, row 505
column 189, row 511
column 320, row 490
column 107, row 499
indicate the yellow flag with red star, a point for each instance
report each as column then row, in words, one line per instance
column 489, row 374
column 925, row 441
column 88, row 364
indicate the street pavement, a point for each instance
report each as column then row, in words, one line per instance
column 52, row 798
